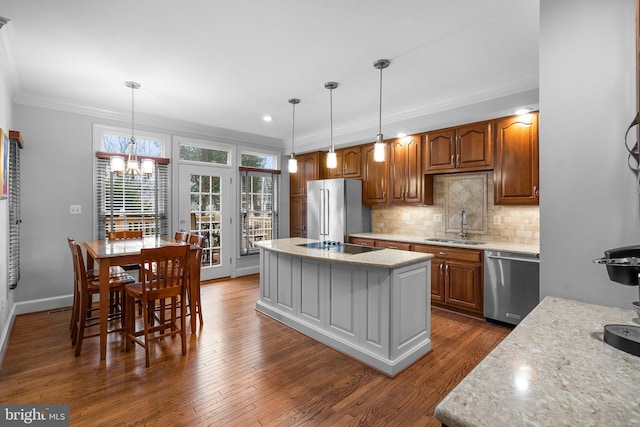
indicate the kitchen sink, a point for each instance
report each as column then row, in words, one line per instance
column 455, row 242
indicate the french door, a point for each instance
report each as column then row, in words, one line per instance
column 205, row 206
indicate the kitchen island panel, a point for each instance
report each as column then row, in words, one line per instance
column 377, row 315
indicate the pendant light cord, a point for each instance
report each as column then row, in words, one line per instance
column 133, row 91
column 380, row 115
column 331, row 116
column 293, row 126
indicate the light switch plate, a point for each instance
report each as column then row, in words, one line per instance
column 75, row 209
column 496, row 220
column 437, row 218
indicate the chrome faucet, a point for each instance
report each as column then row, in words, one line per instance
column 463, row 221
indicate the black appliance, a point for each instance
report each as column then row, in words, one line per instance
column 623, row 266
column 344, row 248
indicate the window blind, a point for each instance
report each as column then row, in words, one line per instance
column 14, row 212
column 259, row 207
column 126, row 202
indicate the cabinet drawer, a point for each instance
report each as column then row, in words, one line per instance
column 447, row 252
column 363, row 242
column 393, row 245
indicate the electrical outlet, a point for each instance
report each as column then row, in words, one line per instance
column 75, row 210
column 496, row 220
column 437, row 218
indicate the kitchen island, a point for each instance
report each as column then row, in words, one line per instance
column 373, row 306
column 553, row 369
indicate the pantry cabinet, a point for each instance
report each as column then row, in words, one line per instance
column 457, row 278
column 516, row 176
column 459, row 149
column 308, row 170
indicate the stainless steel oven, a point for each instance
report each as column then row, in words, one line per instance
column 511, row 285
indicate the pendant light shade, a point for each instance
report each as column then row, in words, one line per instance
column 332, row 158
column 293, row 163
column 379, row 148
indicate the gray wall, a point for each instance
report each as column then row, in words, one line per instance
column 589, row 199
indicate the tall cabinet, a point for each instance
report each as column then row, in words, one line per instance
column 308, row 170
column 405, row 170
column 375, row 178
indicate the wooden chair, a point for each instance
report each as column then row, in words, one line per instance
column 194, row 277
column 182, row 236
column 125, row 234
column 170, row 264
column 86, row 289
column 115, row 272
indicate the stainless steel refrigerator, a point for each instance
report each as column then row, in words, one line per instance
column 335, row 210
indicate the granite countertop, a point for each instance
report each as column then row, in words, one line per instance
column 553, row 369
column 384, row 258
column 495, row 246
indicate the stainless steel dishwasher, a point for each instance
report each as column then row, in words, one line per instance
column 511, row 285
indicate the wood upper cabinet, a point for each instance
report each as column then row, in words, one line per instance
column 375, row 177
column 463, row 148
column 457, row 278
column 516, row 176
column 349, row 163
column 405, row 170
column 308, row 169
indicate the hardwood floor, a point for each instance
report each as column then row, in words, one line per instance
column 242, row 369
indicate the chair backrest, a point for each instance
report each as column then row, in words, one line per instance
column 182, row 236
column 164, row 267
column 80, row 269
column 71, row 241
column 199, row 242
column 126, row 234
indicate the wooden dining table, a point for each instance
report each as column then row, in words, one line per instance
column 128, row 251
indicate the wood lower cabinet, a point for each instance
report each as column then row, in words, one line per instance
column 362, row 241
column 457, row 278
column 392, row 245
column 516, row 176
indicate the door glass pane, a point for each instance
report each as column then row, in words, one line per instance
column 205, row 215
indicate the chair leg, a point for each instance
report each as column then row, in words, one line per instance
column 146, row 336
column 130, row 320
column 183, row 316
column 82, row 321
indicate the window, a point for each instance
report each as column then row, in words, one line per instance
column 259, row 207
column 206, row 155
column 127, row 202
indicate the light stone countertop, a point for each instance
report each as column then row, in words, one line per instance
column 553, row 369
column 384, row 258
column 495, row 246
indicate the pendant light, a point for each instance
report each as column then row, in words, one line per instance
column 293, row 163
column 132, row 165
column 379, row 147
column 332, row 158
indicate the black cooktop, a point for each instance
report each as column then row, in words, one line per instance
column 344, row 248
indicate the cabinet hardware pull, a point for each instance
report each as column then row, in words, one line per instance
column 536, row 191
column 442, row 253
column 441, row 265
column 458, row 160
column 452, row 162
column 392, row 247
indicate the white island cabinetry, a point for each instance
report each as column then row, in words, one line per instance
column 374, row 307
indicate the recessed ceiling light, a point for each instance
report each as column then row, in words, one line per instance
column 267, row 118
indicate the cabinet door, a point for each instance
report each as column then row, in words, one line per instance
column 414, row 178
column 361, row 241
column 296, row 180
column 332, row 173
column 516, row 180
column 474, row 146
column 463, row 285
column 351, row 162
column 440, row 151
column 310, row 169
column 397, row 171
column 374, row 178
column 298, row 217
column 392, row 245
column 437, row 279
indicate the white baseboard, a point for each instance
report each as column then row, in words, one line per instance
column 43, row 304
column 4, row 335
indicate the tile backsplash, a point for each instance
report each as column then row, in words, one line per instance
column 509, row 224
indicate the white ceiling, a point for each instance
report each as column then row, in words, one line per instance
column 225, row 64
